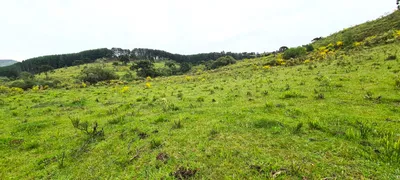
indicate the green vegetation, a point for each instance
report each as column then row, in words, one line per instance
column 329, row 113
column 295, row 52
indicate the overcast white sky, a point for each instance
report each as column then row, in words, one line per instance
column 30, row 28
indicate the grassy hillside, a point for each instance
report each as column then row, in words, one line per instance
column 332, row 114
column 329, row 119
column 360, row 32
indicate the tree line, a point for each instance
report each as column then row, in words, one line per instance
column 46, row 63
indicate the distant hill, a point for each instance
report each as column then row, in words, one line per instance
column 7, row 62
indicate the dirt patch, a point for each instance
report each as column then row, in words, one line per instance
column 184, row 173
column 162, row 157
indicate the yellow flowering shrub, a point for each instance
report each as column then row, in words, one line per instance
column 397, row 34
column 17, row 90
column 148, row 85
column 4, row 90
column 124, row 89
column 267, row 67
column 13, row 90
column 357, row 44
column 35, row 88
column 280, row 61
column 339, row 44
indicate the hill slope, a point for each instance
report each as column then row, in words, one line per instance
column 333, row 118
column 7, row 62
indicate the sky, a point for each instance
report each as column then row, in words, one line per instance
column 31, row 28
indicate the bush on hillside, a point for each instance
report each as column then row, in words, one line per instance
column 294, row 53
column 144, row 68
column 222, row 61
column 96, row 74
column 309, row 47
column 30, row 83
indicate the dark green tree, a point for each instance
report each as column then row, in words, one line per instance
column 124, row 59
column 144, row 68
column 185, row 67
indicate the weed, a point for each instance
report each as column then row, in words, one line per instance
column 263, row 123
column 315, row 125
column 168, row 106
column 397, row 83
column 298, row 127
column 391, row 58
column 116, row 120
column 268, row 105
column 142, row 135
column 292, row 94
column 155, row 143
column 352, row 134
column 320, row 96
column 161, row 119
column 61, row 160
column 93, row 133
column 177, row 124
column 293, row 113
column 368, row 95
column 179, row 95
column 78, row 102
column 365, row 130
column 200, row 99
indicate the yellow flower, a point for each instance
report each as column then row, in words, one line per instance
column 356, row 44
column 397, row 33
column 35, row 88
column 267, row 67
column 322, row 48
column 148, row 85
column 339, row 44
column 307, row 61
column 125, row 89
column 17, row 90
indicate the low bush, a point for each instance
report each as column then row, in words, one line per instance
column 222, row 61
column 96, row 74
column 294, row 53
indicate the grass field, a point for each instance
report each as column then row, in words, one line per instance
column 335, row 119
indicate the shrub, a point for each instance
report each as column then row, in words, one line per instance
column 177, row 125
column 93, row 133
column 96, row 74
column 397, row 83
column 144, row 68
column 391, row 58
column 309, row 47
column 294, row 53
column 222, row 61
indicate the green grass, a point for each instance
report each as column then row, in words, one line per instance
column 237, row 122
